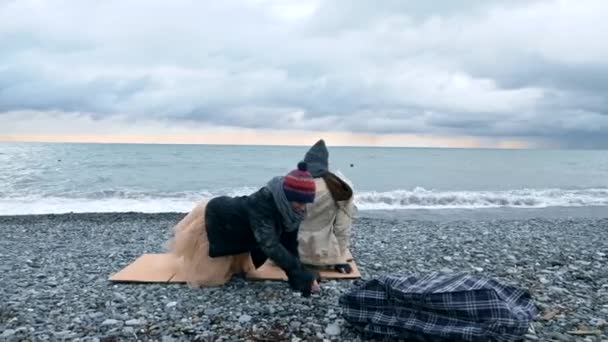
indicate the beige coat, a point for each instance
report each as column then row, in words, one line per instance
column 324, row 236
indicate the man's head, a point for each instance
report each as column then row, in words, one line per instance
column 299, row 187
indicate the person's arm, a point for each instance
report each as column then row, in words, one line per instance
column 290, row 241
column 263, row 228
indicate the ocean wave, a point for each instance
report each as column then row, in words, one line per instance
column 420, row 198
column 124, row 200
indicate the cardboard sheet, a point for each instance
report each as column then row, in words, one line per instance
column 163, row 268
column 270, row 271
column 148, row 268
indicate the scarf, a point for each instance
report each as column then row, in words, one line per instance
column 291, row 218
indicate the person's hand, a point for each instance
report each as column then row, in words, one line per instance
column 304, row 280
column 343, row 268
column 315, row 288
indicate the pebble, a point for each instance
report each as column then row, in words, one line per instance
column 133, row 322
column 560, row 337
column 66, row 334
column 81, row 299
column 211, row 312
column 244, row 319
column 110, row 322
column 8, row 333
column 120, row 296
column 96, row 315
column 332, row 329
column 558, row 290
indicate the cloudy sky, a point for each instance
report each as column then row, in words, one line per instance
column 510, row 73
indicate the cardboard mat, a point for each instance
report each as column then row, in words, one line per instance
column 270, row 271
column 148, row 268
column 163, row 268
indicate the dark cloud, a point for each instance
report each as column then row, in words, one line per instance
column 530, row 69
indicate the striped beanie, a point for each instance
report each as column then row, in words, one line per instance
column 299, row 186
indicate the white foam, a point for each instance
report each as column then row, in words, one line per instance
column 110, row 201
column 56, row 205
column 418, row 198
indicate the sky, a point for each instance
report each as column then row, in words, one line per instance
column 452, row 73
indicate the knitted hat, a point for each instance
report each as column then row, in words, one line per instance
column 317, row 159
column 299, row 186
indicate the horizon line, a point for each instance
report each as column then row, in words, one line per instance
column 290, row 145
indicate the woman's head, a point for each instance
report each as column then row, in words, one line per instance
column 317, row 159
column 299, row 187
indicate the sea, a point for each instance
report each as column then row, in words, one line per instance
column 55, row 178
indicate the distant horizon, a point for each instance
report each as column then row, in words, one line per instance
column 269, row 137
column 302, row 145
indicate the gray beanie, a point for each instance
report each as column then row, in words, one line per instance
column 317, row 159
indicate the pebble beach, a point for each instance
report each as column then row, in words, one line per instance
column 54, row 272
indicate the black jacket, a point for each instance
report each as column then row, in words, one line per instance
column 254, row 224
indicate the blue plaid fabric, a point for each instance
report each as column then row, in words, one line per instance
column 435, row 307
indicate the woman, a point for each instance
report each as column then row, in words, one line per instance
column 233, row 235
column 324, row 236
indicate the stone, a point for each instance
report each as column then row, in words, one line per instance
column 66, row 334
column 7, row 334
column 96, row 315
column 332, row 329
column 447, row 258
column 171, row 305
column 120, row 296
column 559, row 336
column 211, row 312
column 133, row 322
column 244, row 319
column 109, row 322
column 558, row 290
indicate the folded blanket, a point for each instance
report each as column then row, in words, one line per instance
column 455, row 307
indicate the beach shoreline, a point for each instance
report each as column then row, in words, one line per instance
column 55, row 271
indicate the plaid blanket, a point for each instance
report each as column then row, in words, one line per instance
column 438, row 307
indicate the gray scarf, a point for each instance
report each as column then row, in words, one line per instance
column 291, row 218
